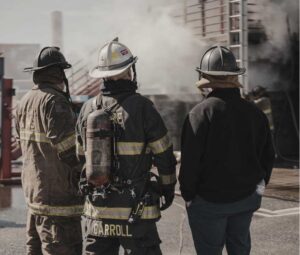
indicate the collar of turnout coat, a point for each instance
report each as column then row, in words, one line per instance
column 47, row 85
column 208, row 81
column 225, row 93
column 111, row 87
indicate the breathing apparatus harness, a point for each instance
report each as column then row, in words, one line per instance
column 117, row 183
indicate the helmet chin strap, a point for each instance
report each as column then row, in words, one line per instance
column 200, row 75
column 134, row 73
column 67, row 93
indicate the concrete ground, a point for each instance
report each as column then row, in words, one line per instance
column 275, row 227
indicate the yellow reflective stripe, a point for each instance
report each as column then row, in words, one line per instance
column 79, row 149
column 73, row 210
column 160, row 145
column 167, row 179
column 118, row 213
column 30, row 135
column 130, row 148
column 66, row 144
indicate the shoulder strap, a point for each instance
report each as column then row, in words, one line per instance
column 98, row 104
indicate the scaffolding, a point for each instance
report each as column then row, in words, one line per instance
column 238, row 35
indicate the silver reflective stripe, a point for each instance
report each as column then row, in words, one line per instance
column 66, row 144
column 130, row 148
column 73, row 210
column 30, row 135
column 160, row 145
column 118, row 213
column 113, row 67
column 167, row 179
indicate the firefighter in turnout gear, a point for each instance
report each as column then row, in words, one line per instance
column 262, row 100
column 45, row 124
column 119, row 136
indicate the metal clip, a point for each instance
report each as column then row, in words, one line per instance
column 136, row 212
column 102, row 192
column 132, row 193
column 117, row 189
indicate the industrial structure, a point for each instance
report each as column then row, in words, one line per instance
column 222, row 22
column 16, row 57
column 6, row 93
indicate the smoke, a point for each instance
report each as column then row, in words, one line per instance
column 278, row 17
column 167, row 52
column 280, row 20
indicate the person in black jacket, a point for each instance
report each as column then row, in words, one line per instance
column 227, row 159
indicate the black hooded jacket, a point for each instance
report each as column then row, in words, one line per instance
column 226, row 148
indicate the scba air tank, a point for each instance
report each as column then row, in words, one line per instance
column 98, row 147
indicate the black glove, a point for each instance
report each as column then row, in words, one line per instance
column 167, row 197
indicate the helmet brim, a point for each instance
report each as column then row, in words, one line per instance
column 65, row 65
column 239, row 71
column 97, row 73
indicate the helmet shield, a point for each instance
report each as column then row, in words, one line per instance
column 48, row 56
column 219, row 60
column 114, row 58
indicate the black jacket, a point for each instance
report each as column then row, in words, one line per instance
column 226, row 148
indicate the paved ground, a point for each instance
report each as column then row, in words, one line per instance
column 274, row 230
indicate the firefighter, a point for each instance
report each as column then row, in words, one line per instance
column 227, row 159
column 262, row 100
column 121, row 135
column 45, row 125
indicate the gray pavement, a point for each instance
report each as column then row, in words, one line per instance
column 273, row 232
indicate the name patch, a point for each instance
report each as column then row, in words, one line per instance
column 98, row 228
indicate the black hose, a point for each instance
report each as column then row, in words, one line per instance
column 276, row 138
column 292, row 113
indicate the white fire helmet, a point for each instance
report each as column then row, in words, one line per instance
column 114, row 58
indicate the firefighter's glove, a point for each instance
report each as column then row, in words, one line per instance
column 167, row 197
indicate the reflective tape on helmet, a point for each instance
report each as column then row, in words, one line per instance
column 66, row 143
column 131, row 148
column 167, row 178
column 73, row 210
column 118, row 213
column 113, row 67
column 30, row 135
column 160, row 145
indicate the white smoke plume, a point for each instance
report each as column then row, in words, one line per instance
column 280, row 20
column 167, row 52
column 275, row 16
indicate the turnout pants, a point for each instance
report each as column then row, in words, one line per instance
column 144, row 241
column 215, row 225
column 49, row 235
